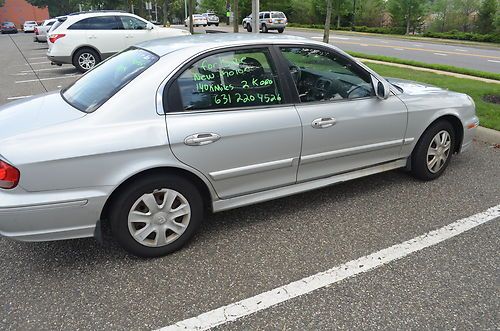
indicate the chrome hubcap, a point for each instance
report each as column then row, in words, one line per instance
column 438, row 151
column 159, row 218
column 86, row 61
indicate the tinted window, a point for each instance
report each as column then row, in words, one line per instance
column 97, row 23
column 132, row 23
column 230, row 79
column 50, row 23
column 320, row 75
column 101, row 83
column 278, row 15
column 260, row 15
column 55, row 26
column 267, row 15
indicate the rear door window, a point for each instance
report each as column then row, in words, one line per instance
column 230, row 79
column 97, row 23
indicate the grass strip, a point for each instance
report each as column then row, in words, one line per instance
column 435, row 66
column 488, row 113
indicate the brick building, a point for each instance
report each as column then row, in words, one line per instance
column 19, row 11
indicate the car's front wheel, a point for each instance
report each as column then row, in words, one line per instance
column 433, row 152
column 281, row 30
column 156, row 215
column 86, row 59
column 249, row 27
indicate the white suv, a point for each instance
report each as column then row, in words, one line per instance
column 85, row 39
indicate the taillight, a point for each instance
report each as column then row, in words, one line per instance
column 53, row 38
column 9, row 176
column 270, row 20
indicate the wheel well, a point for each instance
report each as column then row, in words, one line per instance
column 85, row 47
column 202, row 187
column 457, row 127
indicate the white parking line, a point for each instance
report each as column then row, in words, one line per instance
column 43, row 79
column 440, row 54
column 460, row 50
column 494, row 61
column 304, row 286
column 19, row 97
column 37, row 58
column 399, row 49
column 26, row 64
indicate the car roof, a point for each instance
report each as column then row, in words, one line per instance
column 164, row 46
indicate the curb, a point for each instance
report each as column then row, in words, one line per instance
column 489, row 136
column 440, row 72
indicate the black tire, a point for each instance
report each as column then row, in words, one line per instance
column 281, row 30
column 419, row 168
column 123, row 203
column 249, row 27
column 83, row 52
column 216, row 24
column 264, row 28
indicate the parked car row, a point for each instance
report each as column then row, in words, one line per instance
column 85, row 39
column 9, row 27
column 41, row 30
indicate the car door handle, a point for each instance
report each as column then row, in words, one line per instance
column 324, row 122
column 200, row 139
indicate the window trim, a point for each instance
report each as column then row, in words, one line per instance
column 293, row 88
column 164, row 103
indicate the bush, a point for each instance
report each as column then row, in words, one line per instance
column 458, row 35
column 382, row 30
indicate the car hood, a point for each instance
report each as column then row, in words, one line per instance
column 415, row 88
column 33, row 113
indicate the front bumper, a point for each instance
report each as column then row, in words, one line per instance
column 469, row 133
column 55, row 215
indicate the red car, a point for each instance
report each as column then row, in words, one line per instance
column 8, row 27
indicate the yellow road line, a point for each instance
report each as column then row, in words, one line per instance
column 418, row 49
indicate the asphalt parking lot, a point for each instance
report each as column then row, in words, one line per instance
column 239, row 254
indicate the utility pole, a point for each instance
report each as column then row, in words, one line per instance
column 255, row 16
column 326, row 33
column 191, row 10
column 235, row 16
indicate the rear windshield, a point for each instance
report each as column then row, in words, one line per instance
column 30, row 22
column 278, row 15
column 101, row 83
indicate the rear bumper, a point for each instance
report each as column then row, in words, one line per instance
column 45, row 216
column 60, row 59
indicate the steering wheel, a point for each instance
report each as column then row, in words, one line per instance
column 296, row 73
column 351, row 95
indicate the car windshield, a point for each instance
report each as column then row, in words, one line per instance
column 98, row 85
column 278, row 15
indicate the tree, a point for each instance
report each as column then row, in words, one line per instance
column 442, row 9
column 487, row 15
column 326, row 34
column 371, row 13
column 407, row 13
column 465, row 9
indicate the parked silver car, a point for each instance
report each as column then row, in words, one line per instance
column 150, row 140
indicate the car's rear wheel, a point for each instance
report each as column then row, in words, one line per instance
column 156, row 215
column 264, row 28
column 433, row 151
column 281, row 30
column 248, row 27
column 86, row 59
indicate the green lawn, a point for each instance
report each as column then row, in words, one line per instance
column 489, row 114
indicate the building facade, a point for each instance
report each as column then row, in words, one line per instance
column 19, row 11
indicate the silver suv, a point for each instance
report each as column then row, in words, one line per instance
column 212, row 19
column 268, row 20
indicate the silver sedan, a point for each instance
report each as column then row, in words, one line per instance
column 147, row 143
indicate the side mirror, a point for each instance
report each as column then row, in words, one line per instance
column 149, row 26
column 382, row 90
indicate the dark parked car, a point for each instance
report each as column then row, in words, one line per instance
column 8, row 27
